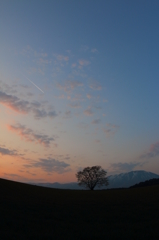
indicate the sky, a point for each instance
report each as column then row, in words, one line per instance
column 79, row 86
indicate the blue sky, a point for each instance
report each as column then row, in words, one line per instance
column 78, row 87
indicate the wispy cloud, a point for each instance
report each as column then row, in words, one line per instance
column 94, row 50
column 73, row 65
column 125, row 166
column 6, row 151
column 73, row 84
column 43, row 113
column 83, row 125
column 43, row 61
column 96, row 121
column 62, row 58
column 74, row 105
column 24, row 107
column 89, row 96
column 153, row 151
column 95, row 86
column 13, row 102
column 30, row 52
column 110, row 129
column 84, row 48
column 49, row 165
column 14, row 88
column 88, row 112
column 31, row 136
column 83, row 62
column 40, row 60
column 69, row 85
column 67, row 114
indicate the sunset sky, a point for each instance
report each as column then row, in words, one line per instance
column 79, row 86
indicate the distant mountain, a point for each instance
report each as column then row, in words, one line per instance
column 122, row 180
column 125, row 180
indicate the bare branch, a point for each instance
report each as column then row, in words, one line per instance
column 91, row 177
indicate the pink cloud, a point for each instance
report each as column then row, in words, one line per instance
column 67, row 114
column 153, row 151
column 84, row 62
column 49, row 165
column 89, row 96
column 111, row 129
column 31, row 136
column 69, row 85
column 95, row 86
column 84, row 48
column 24, row 107
column 14, row 103
column 88, row 112
column 74, row 65
column 74, row 105
column 6, row 151
column 94, row 50
column 62, row 58
column 44, row 61
column 96, row 121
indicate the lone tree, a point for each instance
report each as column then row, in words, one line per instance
column 91, row 177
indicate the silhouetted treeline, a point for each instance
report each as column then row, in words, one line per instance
column 151, row 182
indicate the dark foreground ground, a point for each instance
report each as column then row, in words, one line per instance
column 31, row 212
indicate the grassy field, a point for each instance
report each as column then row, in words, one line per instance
column 31, row 212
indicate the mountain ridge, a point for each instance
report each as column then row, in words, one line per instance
column 122, row 180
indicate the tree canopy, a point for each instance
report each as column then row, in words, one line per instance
column 91, row 177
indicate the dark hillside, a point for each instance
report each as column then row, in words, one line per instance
column 150, row 182
column 31, row 212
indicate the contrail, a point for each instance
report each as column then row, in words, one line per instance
column 33, row 84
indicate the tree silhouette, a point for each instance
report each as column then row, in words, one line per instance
column 91, row 177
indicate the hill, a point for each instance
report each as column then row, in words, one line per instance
column 72, row 185
column 32, row 212
column 150, row 182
